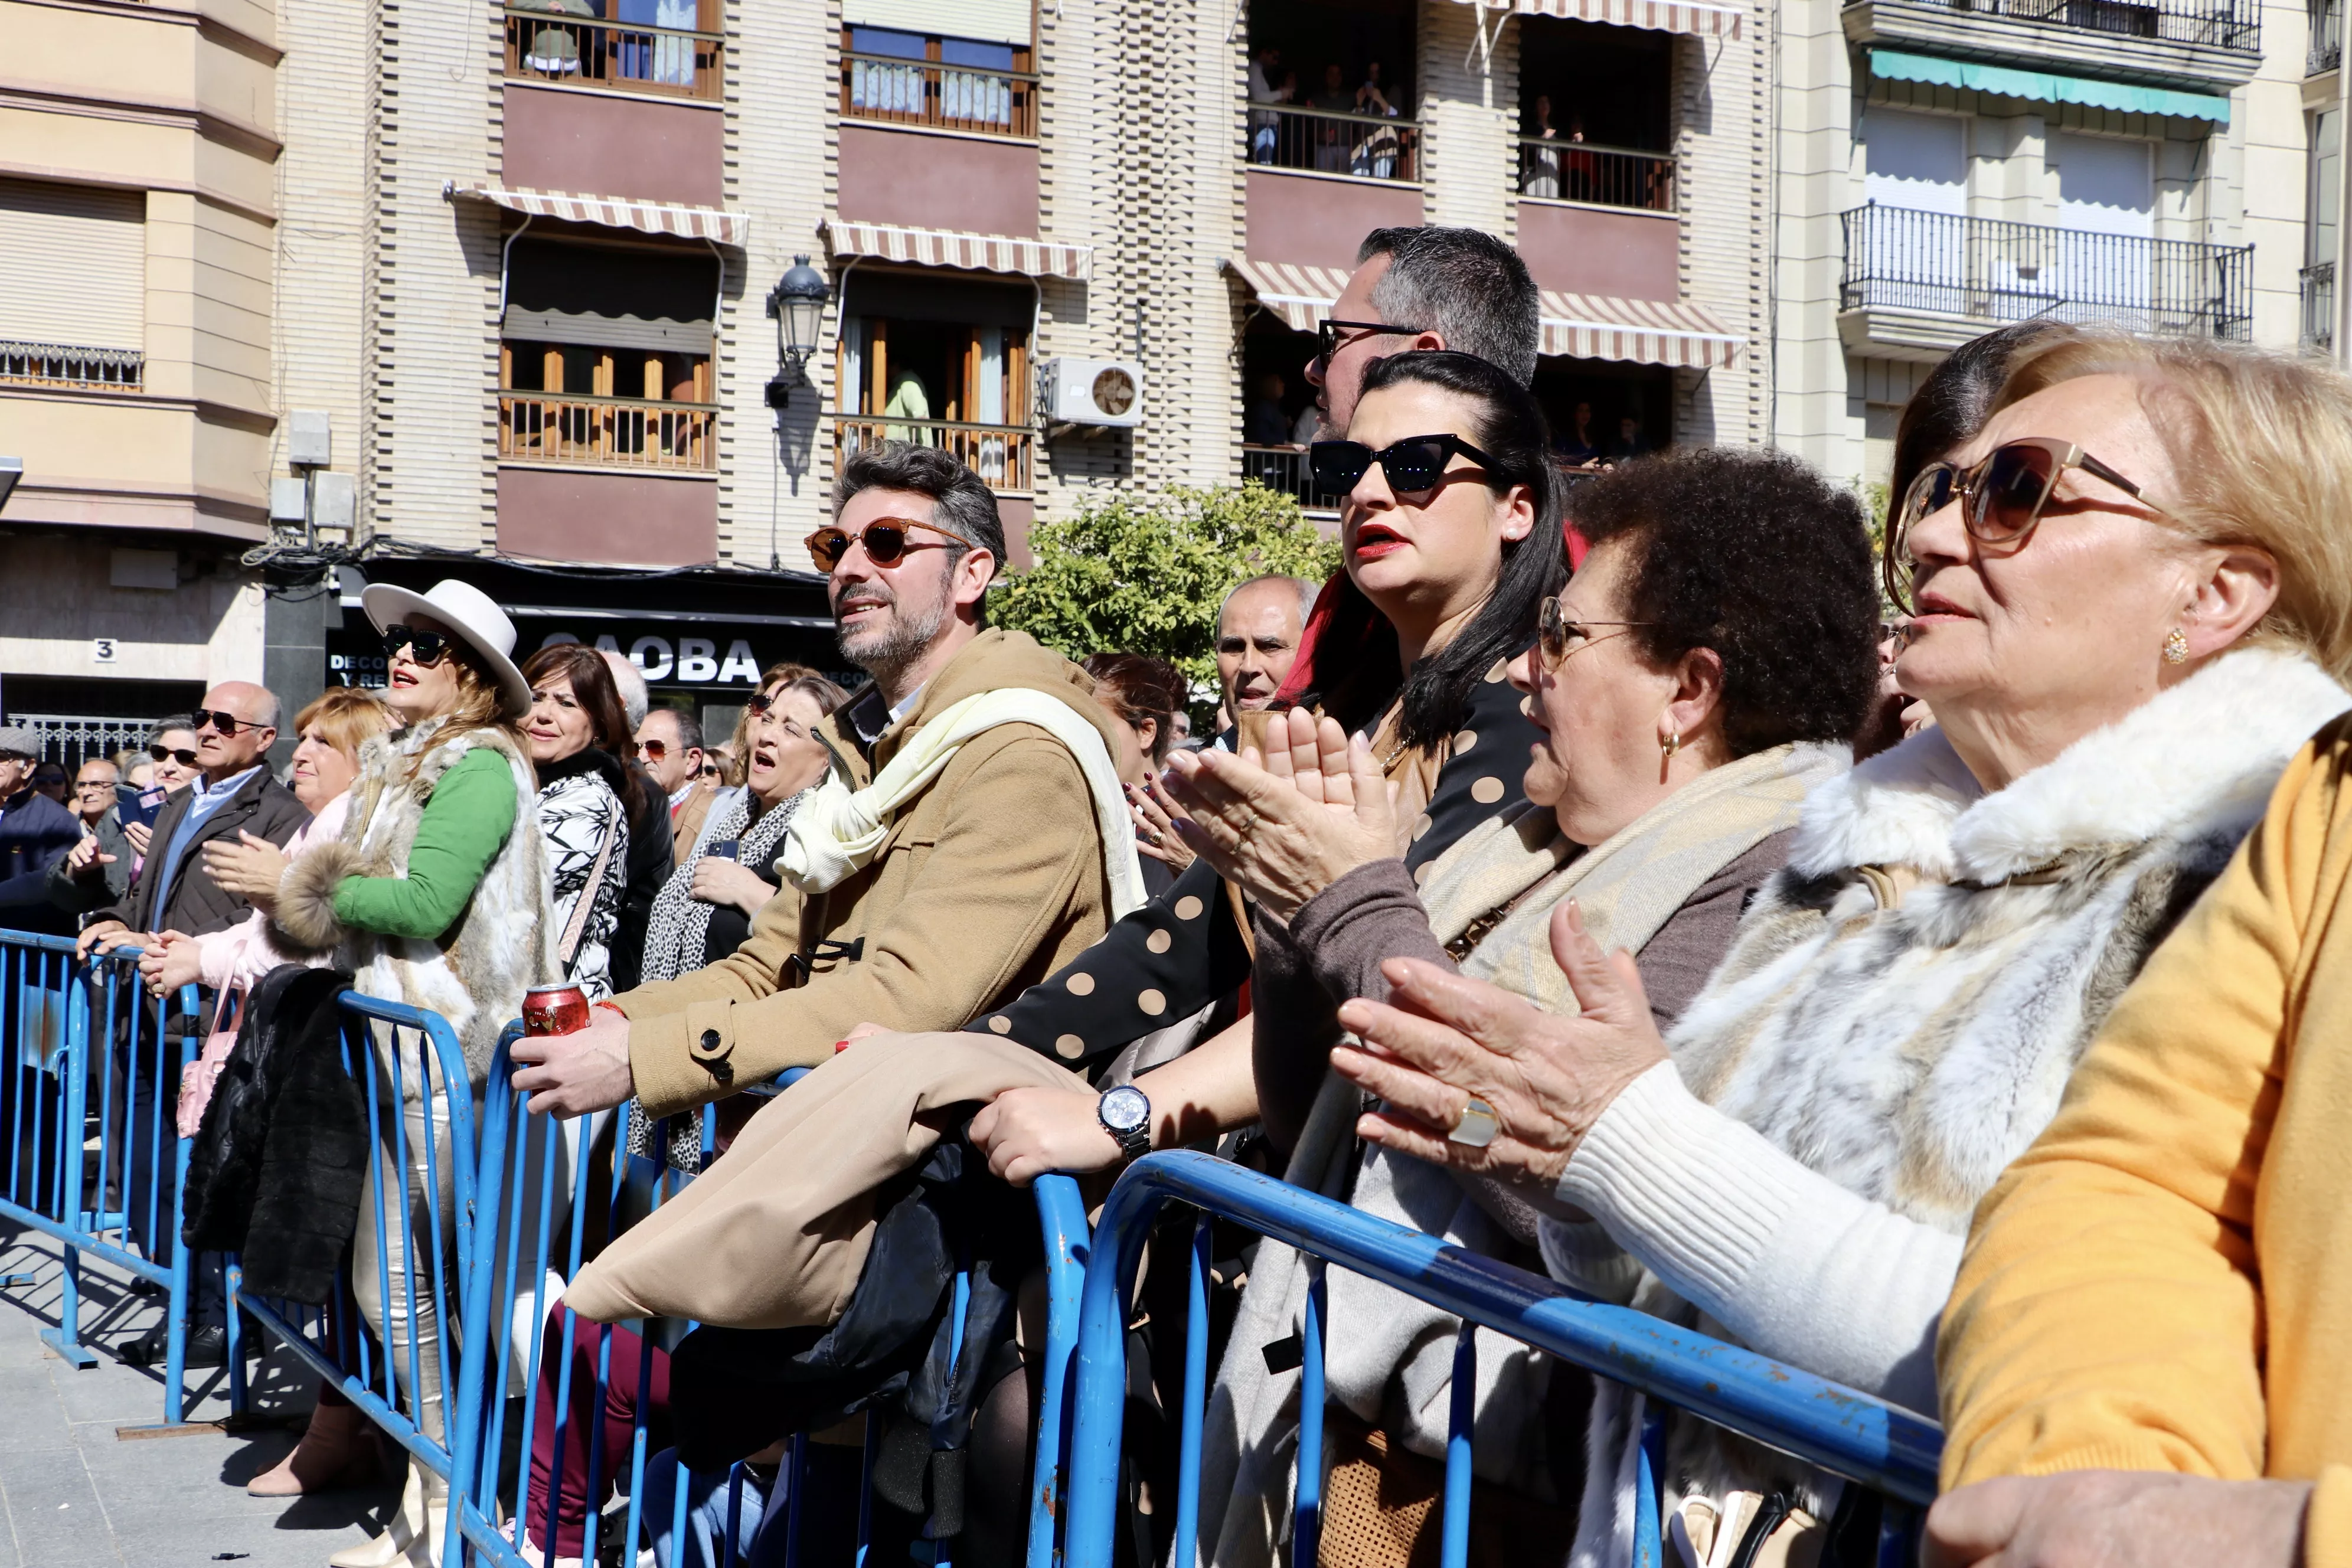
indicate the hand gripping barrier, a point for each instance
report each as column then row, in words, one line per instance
column 560, row 1486
column 417, row 1224
column 89, row 1076
column 1852, row 1435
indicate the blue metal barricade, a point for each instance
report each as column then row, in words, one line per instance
column 88, row 1079
column 535, row 1189
column 392, row 1342
column 1881, row 1446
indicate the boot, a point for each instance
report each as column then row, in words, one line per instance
column 412, row 1539
column 337, row 1449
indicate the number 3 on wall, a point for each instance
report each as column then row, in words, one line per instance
column 102, row 650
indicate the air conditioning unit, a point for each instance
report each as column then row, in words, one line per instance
column 1091, row 391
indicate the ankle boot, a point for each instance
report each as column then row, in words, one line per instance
column 337, row 1449
column 412, row 1539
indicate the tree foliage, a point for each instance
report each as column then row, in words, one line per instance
column 1138, row 573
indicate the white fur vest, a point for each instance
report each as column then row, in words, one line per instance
column 1909, row 1046
column 474, row 973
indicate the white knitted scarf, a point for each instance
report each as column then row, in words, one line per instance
column 837, row 831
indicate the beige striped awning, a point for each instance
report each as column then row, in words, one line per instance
column 1302, row 296
column 1659, row 16
column 613, row 212
column 972, row 252
column 1636, row 331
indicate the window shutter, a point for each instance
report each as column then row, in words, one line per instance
column 989, row 21
column 73, row 266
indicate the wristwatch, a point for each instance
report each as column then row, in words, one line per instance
column 1125, row 1113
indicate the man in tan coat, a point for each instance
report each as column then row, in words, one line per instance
column 987, row 881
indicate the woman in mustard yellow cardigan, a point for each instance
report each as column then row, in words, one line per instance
column 2163, row 1283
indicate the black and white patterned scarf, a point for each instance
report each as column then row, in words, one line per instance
column 677, row 928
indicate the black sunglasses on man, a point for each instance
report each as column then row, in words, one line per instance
column 1328, row 341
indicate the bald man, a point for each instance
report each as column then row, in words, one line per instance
column 232, row 793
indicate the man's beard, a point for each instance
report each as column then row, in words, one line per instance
column 883, row 650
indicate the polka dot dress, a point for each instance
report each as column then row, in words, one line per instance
column 1184, row 950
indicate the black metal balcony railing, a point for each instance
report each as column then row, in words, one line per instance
column 2326, row 36
column 2319, row 305
column 1554, row 170
column 548, row 44
column 1370, row 146
column 60, row 364
column 928, row 92
column 1285, row 468
column 2218, row 23
column 1988, row 270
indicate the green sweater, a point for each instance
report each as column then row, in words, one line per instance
column 464, row 826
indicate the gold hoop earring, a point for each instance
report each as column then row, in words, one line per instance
column 1672, row 743
column 2175, row 646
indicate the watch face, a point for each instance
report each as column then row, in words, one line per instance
column 1125, row 1109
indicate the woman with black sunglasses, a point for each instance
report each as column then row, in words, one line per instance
column 2127, row 598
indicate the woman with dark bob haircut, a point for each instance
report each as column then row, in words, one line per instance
column 1702, row 670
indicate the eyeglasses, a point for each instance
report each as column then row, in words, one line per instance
column 93, row 786
column 185, row 758
column 2000, row 499
column 885, row 540
column 653, row 751
column 1413, row 464
column 1558, row 636
column 429, row 646
column 710, row 770
column 226, row 723
column 1327, row 334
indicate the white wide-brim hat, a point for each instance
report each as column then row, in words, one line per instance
column 469, row 613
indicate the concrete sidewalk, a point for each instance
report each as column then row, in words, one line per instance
column 81, row 1485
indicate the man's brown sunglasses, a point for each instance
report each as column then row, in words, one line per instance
column 885, row 540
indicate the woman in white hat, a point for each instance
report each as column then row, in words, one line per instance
column 432, row 896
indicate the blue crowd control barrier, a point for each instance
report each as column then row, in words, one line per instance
column 1864, row 1439
column 89, row 1081
column 399, row 1056
column 533, row 1190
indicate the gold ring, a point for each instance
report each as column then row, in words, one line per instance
column 1477, row 1126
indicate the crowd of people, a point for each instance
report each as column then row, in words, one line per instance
column 1600, row 878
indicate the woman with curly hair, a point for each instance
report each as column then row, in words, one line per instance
column 1700, row 675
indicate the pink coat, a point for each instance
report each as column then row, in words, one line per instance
column 230, row 960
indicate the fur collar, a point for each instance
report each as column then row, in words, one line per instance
column 2206, row 751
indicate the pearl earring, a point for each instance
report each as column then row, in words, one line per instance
column 2175, row 646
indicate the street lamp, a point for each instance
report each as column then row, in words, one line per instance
column 796, row 304
column 11, row 470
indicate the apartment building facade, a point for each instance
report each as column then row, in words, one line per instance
column 139, row 214
column 1945, row 167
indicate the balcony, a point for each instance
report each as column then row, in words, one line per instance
column 1003, row 456
column 2319, row 306
column 1365, row 146
column 1286, row 469
column 1552, row 170
column 2327, row 37
column 608, row 431
column 58, row 365
column 552, row 46
column 938, row 93
column 2207, row 46
column 1919, row 284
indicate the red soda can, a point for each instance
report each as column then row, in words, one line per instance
column 554, row 1010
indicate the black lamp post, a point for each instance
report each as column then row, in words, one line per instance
column 796, row 304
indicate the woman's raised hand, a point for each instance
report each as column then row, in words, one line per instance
column 1290, row 823
column 1446, row 1039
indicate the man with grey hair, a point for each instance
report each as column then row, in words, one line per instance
column 1424, row 288
column 972, row 860
column 630, row 682
column 1258, row 627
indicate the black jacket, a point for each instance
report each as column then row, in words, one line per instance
column 278, row 1164
column 35, row 834
column 195, row 904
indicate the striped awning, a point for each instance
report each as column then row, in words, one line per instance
column 1658, row 16
column 1636, row 331
column 1302, row 296
column 613, row 212
column 972, row 252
